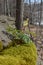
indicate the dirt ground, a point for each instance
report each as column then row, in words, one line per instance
column 39, row 42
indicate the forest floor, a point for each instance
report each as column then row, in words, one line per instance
column 39, row 42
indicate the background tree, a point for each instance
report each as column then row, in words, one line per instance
column 19, row 13
column 6, row 7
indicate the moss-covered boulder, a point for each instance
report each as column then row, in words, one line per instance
column 25, row 54
column 11, row 60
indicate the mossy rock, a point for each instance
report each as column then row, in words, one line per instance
column 11, row 60
column 26, row 52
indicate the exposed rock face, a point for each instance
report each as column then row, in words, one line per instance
column 4, row 22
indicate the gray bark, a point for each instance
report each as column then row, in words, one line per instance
column 5, row 7
column 19, row 13
column 8, row 8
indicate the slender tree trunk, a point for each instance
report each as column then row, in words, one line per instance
column 19, row 13
column 5, row 7
column 8, row 8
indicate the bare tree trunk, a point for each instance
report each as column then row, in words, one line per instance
column 30, row 18
column 8, row 8
column 29, row 15
column 5, row 7
column 40, row 17
column 19, row 13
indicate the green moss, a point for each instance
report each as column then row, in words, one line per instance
column 26, row 52
column 8, row 60
column 11, row 60
column 18, row 36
